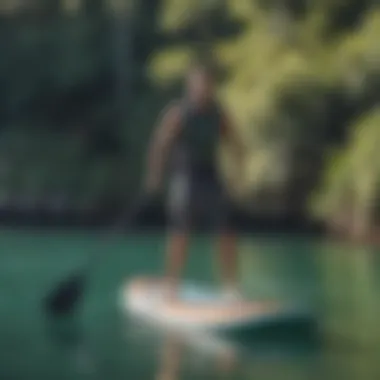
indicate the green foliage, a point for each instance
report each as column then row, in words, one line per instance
column 300, row 75
column 352, row 177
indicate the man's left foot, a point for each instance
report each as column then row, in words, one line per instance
column 232, row 294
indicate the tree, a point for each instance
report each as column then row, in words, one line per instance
column 352, row 180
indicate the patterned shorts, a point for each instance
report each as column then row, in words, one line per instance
column 199, row 201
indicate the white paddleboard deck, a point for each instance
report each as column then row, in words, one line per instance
column 197, row 306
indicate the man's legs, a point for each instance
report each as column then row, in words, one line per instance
column 179, row 212
column 228, row 260
column 177, row 248
column 227, row 241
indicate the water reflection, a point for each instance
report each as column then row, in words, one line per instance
column 67, row 338
column 175, row 354
column 183, row 355
column 280, row 269
column 341, row 282
column 348, row 280
column 169, row 364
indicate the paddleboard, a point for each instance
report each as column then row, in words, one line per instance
column 205, row 308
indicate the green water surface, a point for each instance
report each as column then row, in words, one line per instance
column 341, row 282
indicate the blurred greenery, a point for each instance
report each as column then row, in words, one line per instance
column 83, row 82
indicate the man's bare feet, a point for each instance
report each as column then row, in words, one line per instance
column 170, row 291
column 232, row 294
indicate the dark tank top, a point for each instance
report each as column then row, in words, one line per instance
column 195, row 150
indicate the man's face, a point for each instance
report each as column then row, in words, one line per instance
column 199, row 86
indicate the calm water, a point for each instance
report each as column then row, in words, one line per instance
column 341, row 282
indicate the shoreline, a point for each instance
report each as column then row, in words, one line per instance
column 155, row 220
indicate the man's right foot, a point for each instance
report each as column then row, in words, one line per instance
column 232, row 295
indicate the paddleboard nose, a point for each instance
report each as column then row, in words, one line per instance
column 143, row 295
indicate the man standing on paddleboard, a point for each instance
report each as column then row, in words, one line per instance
column 188, row 136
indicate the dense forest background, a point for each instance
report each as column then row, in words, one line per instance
column 82, row 83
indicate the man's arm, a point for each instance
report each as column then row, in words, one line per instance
column 162, row 141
